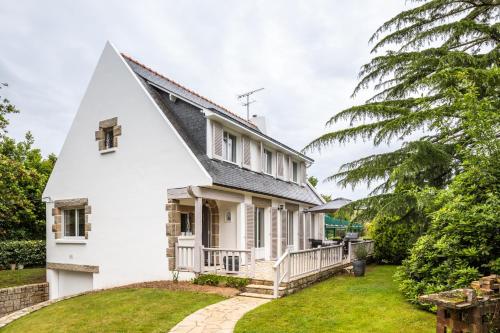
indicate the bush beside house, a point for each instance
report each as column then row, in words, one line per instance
column 30, row 253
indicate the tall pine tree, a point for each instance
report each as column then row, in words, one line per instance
column 426, row 53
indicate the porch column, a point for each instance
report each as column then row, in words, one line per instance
column 198, row 213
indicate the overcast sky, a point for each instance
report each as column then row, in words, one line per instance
column 305, row 53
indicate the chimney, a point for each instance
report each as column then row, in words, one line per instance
column 260, row 122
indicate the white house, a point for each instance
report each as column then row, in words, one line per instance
column 154, row 178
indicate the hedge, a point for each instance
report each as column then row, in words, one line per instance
column 27, row 252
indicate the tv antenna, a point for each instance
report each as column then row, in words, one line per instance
column 247, row 101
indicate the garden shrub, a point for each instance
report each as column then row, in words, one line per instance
column 234, row 282
column 221, row 280
column 463, row 241
column 27, row 252
column 208, row 279
column 395, row 236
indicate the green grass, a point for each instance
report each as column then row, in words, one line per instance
column 118, row 310
column 342, row 304
column 10, row 278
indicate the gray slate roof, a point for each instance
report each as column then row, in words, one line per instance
column 177, row 89
column 190, row 123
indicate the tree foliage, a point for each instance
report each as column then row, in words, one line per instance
column 463, row 241
column 23, row 175
column 313, row 180
column 5, row 108
column 437, row 70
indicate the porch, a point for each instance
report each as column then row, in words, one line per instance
column 217, row 231
column 293, row 271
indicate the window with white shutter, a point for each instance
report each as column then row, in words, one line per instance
column 303, row 177
column 301, row 231
column 217, row 140
column 284, row 230
column 245, row 147
column 307, row 230
column 229, row 147
column 274, row 232
column 295, row 172
column 267, row 162
column 250, row 228
column 280, row 172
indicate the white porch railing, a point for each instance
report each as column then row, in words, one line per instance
column 282, row 271
column 228, row 261
column 184, row 257
column 297, row 263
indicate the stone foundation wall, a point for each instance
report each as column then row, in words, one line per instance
column 16, row 298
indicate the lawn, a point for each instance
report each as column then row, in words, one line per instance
column 10, row 278
column 342, row 304
column 118, row 310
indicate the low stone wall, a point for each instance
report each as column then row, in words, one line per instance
column 16, row 298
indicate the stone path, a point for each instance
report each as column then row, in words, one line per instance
column 219, row 317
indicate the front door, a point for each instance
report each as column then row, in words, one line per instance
column 259, row 233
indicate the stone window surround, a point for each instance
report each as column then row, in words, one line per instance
column 100, row 134
column 60, row 205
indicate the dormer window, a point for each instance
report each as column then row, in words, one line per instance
column 229, row 147
column 295, row 172
column 268, row 161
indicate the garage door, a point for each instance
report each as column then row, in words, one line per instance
column 74, row 282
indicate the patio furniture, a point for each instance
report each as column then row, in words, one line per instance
column 315, row 242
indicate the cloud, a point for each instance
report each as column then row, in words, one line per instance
column 305, row 53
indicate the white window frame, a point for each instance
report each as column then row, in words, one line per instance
column 259, row 213
column 268, row 164
column 77, row 222
column 225, row 142
column 295, row 177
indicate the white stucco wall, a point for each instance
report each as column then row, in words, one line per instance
column 126, row 189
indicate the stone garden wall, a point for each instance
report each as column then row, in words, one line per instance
column 16, row 298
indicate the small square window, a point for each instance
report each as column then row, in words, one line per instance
column 74, row 222
column 107, row 135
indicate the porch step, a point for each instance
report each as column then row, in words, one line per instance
column 262, row 289
column 265, row 296
column 261, row 282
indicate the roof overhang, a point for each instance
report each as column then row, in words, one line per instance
column 331, row 206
